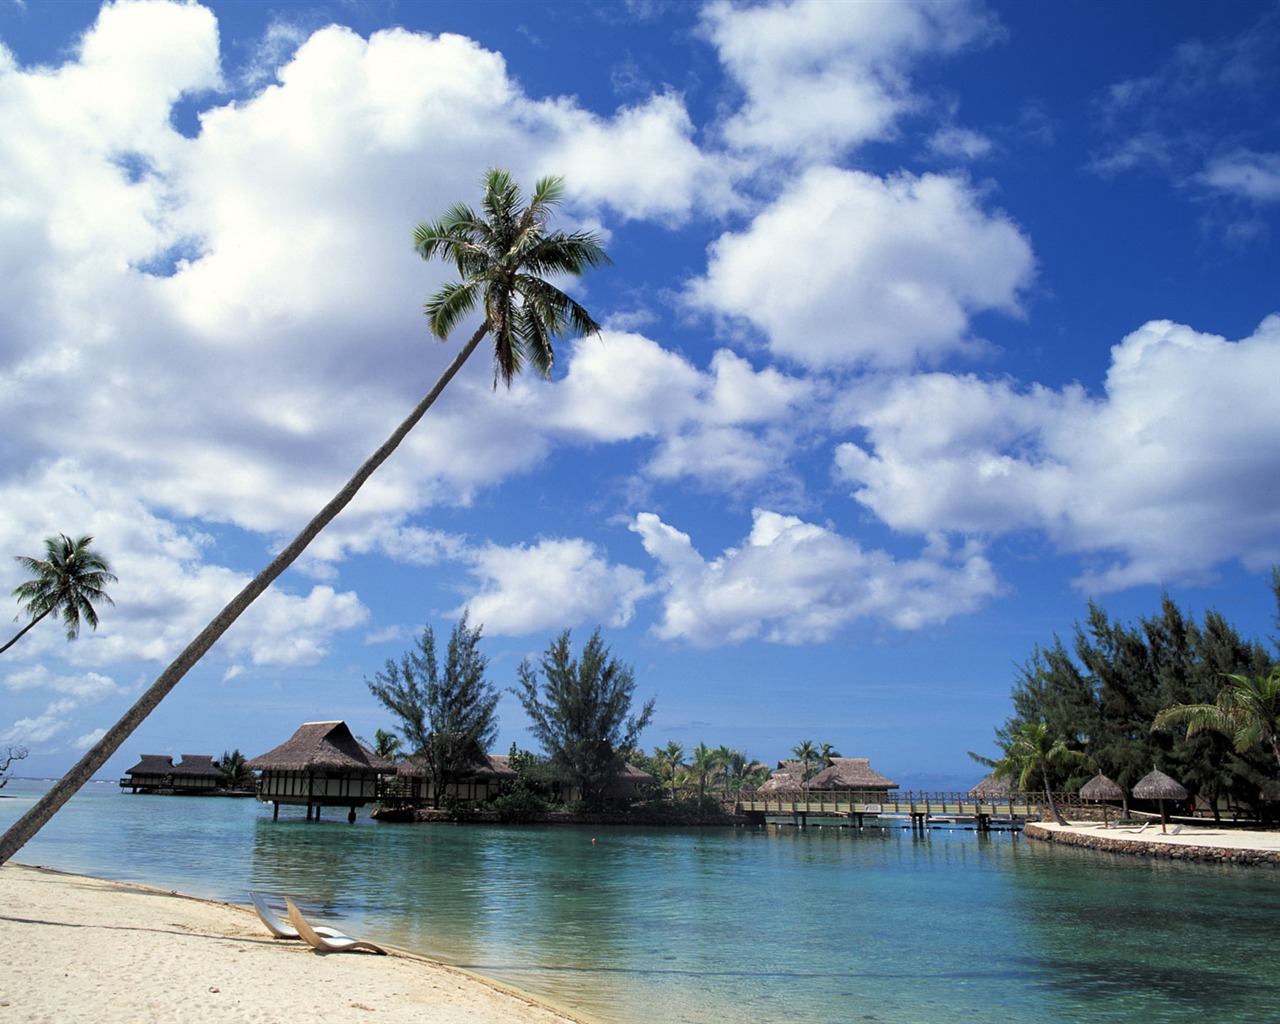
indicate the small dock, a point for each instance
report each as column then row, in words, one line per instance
column 920, row 809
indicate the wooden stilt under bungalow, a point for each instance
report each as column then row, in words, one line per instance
column 321, row 765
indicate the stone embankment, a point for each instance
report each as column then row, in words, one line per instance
column 1218, row 846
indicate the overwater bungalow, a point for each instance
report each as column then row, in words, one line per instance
column 150, row 775
column 851, row 773
column 194, row 775
column 197, row 773
column 321, row 765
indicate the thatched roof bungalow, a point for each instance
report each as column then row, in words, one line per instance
column 149, row 775
column 321, row 765
column 481, row 781
column 196, row 773
column 993, row 787
column 626, row 787
column 788, row 777
column 851, row 773
column 156, row 773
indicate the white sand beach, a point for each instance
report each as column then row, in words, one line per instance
column 76, row 949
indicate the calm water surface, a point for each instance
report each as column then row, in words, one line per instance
column 644, row 926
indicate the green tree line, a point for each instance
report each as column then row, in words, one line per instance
column 1115, row 700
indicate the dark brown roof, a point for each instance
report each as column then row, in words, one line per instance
column 1158, row 786
column 321, row 745
column 152, row 764
column 850, row 773
column 1102, row 788
column 197, row 765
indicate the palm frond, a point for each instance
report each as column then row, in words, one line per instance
column 450, row 305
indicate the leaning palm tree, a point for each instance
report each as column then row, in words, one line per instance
column 503, row 258
column 66, row 582
column 1247, row 710
column 1032, row 751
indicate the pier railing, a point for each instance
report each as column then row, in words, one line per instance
column 855, row 803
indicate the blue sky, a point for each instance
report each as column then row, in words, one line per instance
column 927, row 323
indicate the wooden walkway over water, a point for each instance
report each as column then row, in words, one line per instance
column 919, row 808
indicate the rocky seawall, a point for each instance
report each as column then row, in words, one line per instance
column 1153, row 847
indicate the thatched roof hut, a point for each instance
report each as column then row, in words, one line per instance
column 196, row 773
column 154, row 772
column 480, row 782
column 993, row 787
column 1158, row 786
column 322, row 764
column 626, row 785
column 788, row 777
column 853, row 773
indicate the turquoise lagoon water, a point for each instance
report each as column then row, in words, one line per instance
column 641, row 926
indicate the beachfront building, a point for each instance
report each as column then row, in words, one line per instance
column 482, row 781
column 788, row 777
column 841, row 773
column 851, row 773
column 194, row 775
column 321, row 765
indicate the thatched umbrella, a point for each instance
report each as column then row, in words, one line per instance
column 1102, row 789
column 1158, row 786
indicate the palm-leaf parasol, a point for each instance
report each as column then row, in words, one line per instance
column 1102, row 789
column 1158, row 786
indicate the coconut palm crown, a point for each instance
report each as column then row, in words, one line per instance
column 66, row 582
column 1247, row 710
column 503, row 256
column 500, row 260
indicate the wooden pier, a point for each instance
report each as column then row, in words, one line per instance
column 920, row 808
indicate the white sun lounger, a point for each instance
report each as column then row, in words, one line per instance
column 275, row 926
column 334, row 942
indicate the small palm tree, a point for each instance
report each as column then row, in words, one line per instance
column 67, row 581
column 502, row 257
column 826, row 752
column 1033, row 752
column 703, row 763
column 235, row 775
column 723, row 758
column 670, row 759
column 806, row 753
column 1247, row 710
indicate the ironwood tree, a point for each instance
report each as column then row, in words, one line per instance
column 449, row 718
column 1101, row 694
column 580, row 711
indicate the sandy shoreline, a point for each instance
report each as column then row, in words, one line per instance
column 1198, row 842
column 77, row 949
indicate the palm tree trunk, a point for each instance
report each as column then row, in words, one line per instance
column 21, row 633
column 1048, row 795
column 21, row 831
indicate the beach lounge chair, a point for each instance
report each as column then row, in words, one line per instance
column 275, row 926
column 333, row 943
column 1142, row 828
